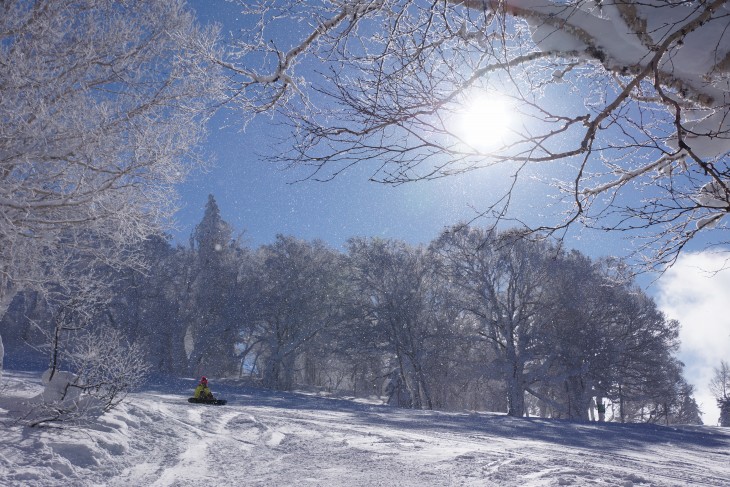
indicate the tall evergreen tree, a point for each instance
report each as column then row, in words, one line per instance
column 210, row 338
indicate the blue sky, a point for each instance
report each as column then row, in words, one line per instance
column 257, row 197
column 261, row 201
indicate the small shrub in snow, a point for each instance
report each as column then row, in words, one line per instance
column 105, row 368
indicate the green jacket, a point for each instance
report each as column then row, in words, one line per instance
column 202, row 392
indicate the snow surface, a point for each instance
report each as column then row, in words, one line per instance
column 262, row 438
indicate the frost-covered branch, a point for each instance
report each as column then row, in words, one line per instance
column 102, row 106
column 98, row 369
column 632, row 95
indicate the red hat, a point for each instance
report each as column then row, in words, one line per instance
column 204, row 380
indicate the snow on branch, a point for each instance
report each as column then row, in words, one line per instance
column 660, row 165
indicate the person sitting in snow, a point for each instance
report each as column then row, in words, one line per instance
column 202, row 391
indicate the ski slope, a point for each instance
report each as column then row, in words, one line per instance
column 261, row 438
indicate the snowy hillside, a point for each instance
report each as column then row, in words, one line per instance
column 269, row 439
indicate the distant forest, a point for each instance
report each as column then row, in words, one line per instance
column 478, row 320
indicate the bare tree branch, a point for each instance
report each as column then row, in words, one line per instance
column 632, row 95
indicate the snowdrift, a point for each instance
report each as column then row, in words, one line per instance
column 262, row 438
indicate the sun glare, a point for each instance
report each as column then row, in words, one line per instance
column 484, row 121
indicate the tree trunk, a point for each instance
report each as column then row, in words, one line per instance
column 725, row 413
column 286, row 382
column 272, row 371
column 6, row 296
column 310, row 371
column 2, row 356
column 515, row 392
column 279, row 372
column 515, row 383
column 622, row 412
column 601, row 406
column 516, row 399
column 578, row 401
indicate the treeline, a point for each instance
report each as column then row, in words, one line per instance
column 478, row 320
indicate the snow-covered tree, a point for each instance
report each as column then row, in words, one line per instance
column 673, row 402
column 299, row 299
column 607, row 334
column 393, row 280
column 605, row 97
column 644, row 367
column 504, row 283
column 720, row 388
column 211, row 334
column 685, row 409
column 582, row 353
column 456, row 356
column 108, row 365
column 148, row 307
column 102, row 103
column 565, row 329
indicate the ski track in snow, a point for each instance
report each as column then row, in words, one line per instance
column 267, row 439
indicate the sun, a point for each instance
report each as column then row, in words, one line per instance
column 484, row 121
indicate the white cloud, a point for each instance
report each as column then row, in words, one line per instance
column 697, row 293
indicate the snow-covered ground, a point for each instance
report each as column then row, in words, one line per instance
column 261, row 438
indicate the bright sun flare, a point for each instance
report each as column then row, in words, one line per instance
column 485, row 121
